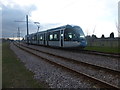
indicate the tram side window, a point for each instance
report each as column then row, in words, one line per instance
column 56, row 35
column 51, row 37
column 35, row 37
column 40, row 37
column 68, row 36
column 56, row 38
column 32, row 38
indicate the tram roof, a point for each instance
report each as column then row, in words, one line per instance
column 61, row 27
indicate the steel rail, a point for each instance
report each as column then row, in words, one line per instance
column 102, row 53
column 93, row 52
column 74, row 60
column 93, row 78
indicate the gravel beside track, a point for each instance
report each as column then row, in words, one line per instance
column 51, row 75
column 109, row 62
column 98, row 73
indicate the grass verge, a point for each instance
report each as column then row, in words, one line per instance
column 0, row 65
column 103, row 49
column 14, row 73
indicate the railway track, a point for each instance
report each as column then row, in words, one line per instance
column 92, row 52
column 102, row 53
column 114, row 55
column 79, row 67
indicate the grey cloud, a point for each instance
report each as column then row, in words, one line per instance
column 10, row 14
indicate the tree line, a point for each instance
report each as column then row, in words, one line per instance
column 103, row 36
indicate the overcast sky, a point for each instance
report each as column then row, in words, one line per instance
column 93, row 16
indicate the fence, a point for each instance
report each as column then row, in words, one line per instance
column 104, row 42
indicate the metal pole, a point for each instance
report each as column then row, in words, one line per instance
column 27, row 29
column 19, row 35
column 13, row 36
column 118, row 26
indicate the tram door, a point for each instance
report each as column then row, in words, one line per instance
column 62, row 38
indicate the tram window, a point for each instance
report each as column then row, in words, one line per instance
column 51, row 37
column 33, row 38
column 70, row 36
column 61, row 34
column 41, row 37
column 55, row 37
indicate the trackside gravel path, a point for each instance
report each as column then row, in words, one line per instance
column 51, row 75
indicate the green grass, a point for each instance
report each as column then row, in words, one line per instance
column 103, row 49
column 0, row 65
column 14, row 73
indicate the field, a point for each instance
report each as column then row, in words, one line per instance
column 103, row 49
column 14, row 73
column 0, row 65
